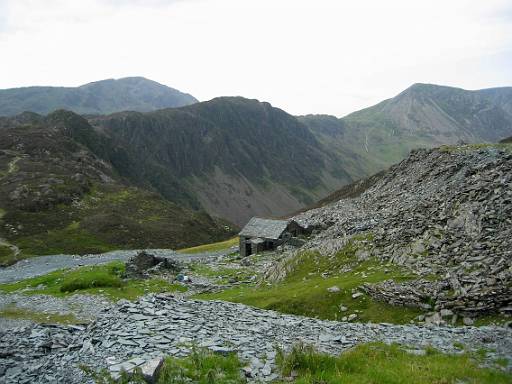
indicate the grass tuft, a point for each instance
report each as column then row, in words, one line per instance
column 93, row 278
column 202, row 367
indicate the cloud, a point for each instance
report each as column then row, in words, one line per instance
column 317, row 56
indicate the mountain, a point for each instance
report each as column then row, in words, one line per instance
column 57, row 196
column 100, row 97
column 232, row 156
column 235, row 158
column 424, row 115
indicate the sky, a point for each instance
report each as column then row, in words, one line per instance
column 315, row 56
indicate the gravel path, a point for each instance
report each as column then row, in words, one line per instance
column 129, row 334
column 37, row 266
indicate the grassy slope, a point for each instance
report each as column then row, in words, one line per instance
column 304, row 290
column 378, row 363
column 12, row 312
column 111, row 217
column 212, row 247
column 101, row 279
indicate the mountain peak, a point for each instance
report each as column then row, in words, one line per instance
column 99, row 97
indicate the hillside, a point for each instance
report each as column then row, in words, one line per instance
column 236, row 158
column 232, row 156
column 100, row 97
column 442, row 214
column 422, row 116
column 56, row 196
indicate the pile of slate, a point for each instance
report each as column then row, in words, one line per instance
column 446, row 214
column 139, row 334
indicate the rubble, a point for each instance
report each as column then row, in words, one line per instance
column 131, row 335
column 144, row 264
column 445, row 214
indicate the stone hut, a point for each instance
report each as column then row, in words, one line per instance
column 266, row 234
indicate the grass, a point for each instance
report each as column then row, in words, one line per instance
column 213, row 247
column 12, row 312
column 378, row 363
column 100, row 279
column 106, row 218
column 304, row 290
column 223, row 275
column 475, row 147
column 200, row 367
column 66, row 240
column 492, row 319
column 6, row 255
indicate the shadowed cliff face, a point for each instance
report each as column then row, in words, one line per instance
column 233, row 156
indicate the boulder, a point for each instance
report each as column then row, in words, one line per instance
column 151, row 369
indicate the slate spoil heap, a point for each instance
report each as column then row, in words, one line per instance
column 143, row 264
column 138, row 334
column 446, row 214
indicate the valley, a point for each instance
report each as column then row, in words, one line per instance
column 119, row 250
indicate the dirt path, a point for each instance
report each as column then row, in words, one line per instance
column 11, row 168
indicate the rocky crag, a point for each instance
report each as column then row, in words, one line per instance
column 444, row 213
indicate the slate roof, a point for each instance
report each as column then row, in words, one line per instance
column 265, row 228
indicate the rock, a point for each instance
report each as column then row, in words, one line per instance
column 356, row 295
column 151, row 369
column 343, row 308
column 183, row 278
column 121, row 342
column 143, row 264
column 446, row 313
column 434, row 319
column 221, row 350
column 247, row 372
column 333, row 289
column 352, row 316
column 417, row 352
column 467, row 320
column 266, row 370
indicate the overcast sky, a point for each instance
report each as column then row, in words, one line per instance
column 316, row 56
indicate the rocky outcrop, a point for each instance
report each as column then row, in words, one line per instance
column 144, row 264
column 446, row 214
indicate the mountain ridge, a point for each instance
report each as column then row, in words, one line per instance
column 99, row 97
column 248, row 148
column 421, row 116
